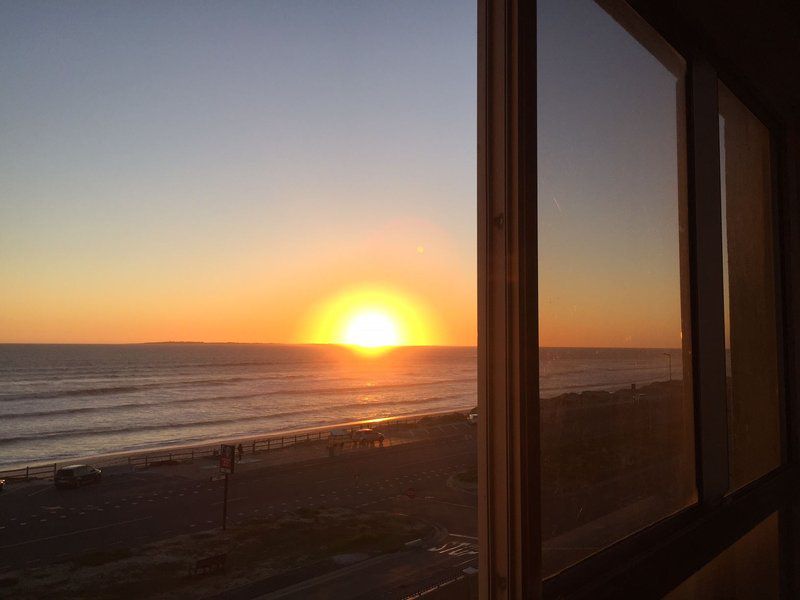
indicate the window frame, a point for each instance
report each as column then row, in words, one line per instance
column 653, row 561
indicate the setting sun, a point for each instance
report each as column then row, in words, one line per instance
column 371, row 319
column 371, row 329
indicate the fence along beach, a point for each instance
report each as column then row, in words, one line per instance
column 251, row 445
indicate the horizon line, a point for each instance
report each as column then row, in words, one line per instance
column 189, row 343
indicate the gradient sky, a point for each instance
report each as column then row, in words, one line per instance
column 217, row 171
column 210, row 171
column 608, row 185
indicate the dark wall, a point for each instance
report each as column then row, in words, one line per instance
column 755, row 42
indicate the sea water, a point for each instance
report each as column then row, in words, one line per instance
column 63, row 401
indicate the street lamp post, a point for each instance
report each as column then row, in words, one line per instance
column 669, row 363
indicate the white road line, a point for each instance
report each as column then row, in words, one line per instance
column 229, row 500
column 467, row 537
column 39, row 491
column 451, row 503
column 61, row 535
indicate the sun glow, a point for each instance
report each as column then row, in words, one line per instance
column 371, row 320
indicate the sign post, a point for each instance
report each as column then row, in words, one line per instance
column 227, row 465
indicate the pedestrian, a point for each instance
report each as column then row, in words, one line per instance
column 240, row 450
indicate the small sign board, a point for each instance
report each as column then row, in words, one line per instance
column 227, row 458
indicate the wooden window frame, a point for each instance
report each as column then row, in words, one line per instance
column 655, row 560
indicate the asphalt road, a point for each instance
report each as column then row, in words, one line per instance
column 40, row 524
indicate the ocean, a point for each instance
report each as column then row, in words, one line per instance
column 59, row 402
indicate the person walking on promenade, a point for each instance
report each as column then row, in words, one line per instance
column 240, row 450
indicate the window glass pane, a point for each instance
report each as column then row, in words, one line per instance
column 248, row 224
column 748, row 570
column 750, row 321
column 616, row 390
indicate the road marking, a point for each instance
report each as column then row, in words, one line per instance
column 466, row 537
column 451, row 503
column 61, row 535
column 39, row 491
column 456, row 549
column 229, row 500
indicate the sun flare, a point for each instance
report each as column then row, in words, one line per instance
column 371, row 320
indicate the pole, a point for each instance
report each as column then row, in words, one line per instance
column 669, row 364
column 225, row 505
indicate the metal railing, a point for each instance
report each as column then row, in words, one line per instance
column 250, row 445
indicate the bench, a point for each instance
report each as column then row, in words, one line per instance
column 210, row 564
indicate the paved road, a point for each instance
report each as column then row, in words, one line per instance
column 40, row 524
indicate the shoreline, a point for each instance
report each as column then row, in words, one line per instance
column 40, row 469
column 600, row 393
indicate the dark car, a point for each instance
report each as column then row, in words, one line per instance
column 76, row 476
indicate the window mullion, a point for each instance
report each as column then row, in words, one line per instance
column 508, row 425
column 711, row 421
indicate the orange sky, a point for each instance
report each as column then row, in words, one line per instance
column 253, row 297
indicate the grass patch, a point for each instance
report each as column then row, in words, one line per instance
column 469, row 476
column 256, row 550
column 100, row 557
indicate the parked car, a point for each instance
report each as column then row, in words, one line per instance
column 367, row 437
column 77, row 475
column 472, row 417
